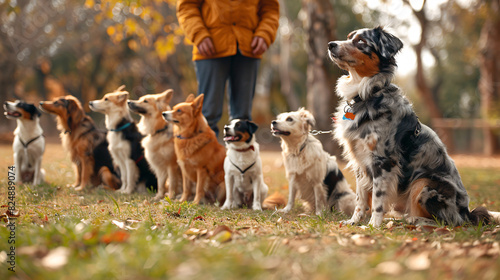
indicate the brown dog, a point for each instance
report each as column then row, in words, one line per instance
column 88, row 146
column 200, row 156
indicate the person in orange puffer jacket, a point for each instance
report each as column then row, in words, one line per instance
column 229, row 37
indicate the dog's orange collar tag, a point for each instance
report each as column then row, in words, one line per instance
column 349, row 116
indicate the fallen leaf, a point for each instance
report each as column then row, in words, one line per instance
column 192, row 231
column 222, row 234
column 442, row 231
column 119, row 236
column 303, row 249
column 56, row 258
column 418, row 261
column 389, row 268
column 13, row 214
column 362, row 240
column 426, row 228
column 199, row 218
column 390, row 225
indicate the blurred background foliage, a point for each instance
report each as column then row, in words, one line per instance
column 91, row 47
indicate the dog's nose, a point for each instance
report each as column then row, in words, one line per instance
column 332, row 45
column 164, row 114
column 274, row 123
column 41, row 102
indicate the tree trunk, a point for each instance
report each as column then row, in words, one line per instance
column 429, row 94
column 321, row 100
column 285, row 42
column 489, row 83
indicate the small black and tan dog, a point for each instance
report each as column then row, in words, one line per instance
column 399, row 162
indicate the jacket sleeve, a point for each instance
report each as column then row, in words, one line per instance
column 269, row 12
column 190, row 20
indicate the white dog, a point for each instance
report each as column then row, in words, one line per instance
column 243, row 167
column 309, row 169
column 29, row 142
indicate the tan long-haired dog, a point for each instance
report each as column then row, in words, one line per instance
column 158, row 142
column 309, row 169
column 87, row 145
column 200, row 156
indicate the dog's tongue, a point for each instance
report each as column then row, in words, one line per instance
column 15, row 114
column 229, row 138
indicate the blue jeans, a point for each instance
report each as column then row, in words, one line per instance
column 212, row 74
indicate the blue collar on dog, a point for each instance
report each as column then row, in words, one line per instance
column 122, row 127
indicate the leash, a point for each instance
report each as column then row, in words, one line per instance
column 317, row 132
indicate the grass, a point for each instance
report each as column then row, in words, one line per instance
column 98, row 234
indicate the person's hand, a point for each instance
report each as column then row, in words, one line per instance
column 258, row 45
column 206, row 47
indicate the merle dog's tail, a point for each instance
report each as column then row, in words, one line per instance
column 481, row 215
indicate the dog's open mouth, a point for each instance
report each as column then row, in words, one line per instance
column 277, row 132
column 14, row 114
column 232, row 138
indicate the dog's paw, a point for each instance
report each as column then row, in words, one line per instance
column 158, row 197
column 285, row 210
column 375, row 221
column 350, row 222
column 79, row 188
column 257, row 207
column 225, row 207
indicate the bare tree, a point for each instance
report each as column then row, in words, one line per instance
column 489, row 83
column 429, row 93
column 321, row 100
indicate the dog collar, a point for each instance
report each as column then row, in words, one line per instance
column 160, row 130
column 182, row 137
column 246, row 150
column 121, row 127
column 31, row 141
column 348, row 112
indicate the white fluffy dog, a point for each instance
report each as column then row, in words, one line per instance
column 309, row 169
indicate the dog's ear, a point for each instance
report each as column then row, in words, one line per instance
column 35, row 112
column 120, row 88
column 252, row 127
column 166, row 96
column 388, row 44
column 198, row 104
column 164, row 99
column 122, row 97
column 308, row 118
column 75, row 112
column 190, row 98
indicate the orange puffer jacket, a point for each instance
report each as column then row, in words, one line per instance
column 231, row 24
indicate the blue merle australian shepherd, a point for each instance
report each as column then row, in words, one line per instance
column 400, row 163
